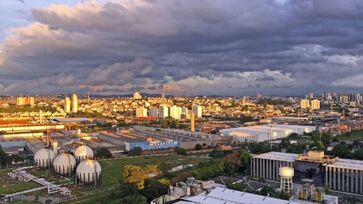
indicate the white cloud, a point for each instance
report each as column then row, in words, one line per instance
column 343, row 59
column 349, row 82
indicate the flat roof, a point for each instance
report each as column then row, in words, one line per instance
column 227, row 196
column 347, row 163
column 280, row 156
column 75, row 120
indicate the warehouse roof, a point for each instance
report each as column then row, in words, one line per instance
column 348, row 163
column 280, row 156
column 227, row 196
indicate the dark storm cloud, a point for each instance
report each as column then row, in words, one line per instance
column 209, row 47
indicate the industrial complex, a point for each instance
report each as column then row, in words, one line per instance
column 313, row 167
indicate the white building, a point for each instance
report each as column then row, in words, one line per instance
column 163, row 111
column 267, row 165
column 198, row 111
column 262, row 133
column 227, row 196
column 175, row 112
column 345, row 175
column 315, row 104
column 74, row 102
column 304, row 103
column 67, row 104
column 141, row 112
column 339, row 174
column 154, row 112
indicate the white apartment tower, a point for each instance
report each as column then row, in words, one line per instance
column 315, row 104
column 141, row 112
column 74, row 103
column 67, row 104
column 304, row 104
column 154, row 112
column 163, row 111
column 198, row 111
column 175, row 112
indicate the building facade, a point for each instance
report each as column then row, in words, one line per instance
column 267, row 165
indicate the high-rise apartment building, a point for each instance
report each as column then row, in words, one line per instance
column 25, row 100
column 141, row 112
column 198, row 111
column 163, row 111
column 67, row 104
column 304, row 103
column 74, row 102
column 154, row 112
column 315, row 104
column 175, row 112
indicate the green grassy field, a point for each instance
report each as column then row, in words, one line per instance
column 12, row 186
column 8, row 185
column 111, row 171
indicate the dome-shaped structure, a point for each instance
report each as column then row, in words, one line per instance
column 88, row 171
column 43, row 158
column 83, row 152
column 64, row 163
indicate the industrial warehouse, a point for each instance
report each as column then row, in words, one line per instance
column 313, row 167
column 262, row 133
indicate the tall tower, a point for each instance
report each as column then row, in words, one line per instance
column 67, row 104
column 286, row 174
column 74, row 103
column 192, row 121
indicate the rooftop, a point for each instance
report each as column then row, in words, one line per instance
column 348, row 163
column 280, row 156
column 227, row 196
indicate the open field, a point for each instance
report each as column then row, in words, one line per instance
column 111, row 171
column 9, row 185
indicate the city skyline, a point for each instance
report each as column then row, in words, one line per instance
column 107, row 47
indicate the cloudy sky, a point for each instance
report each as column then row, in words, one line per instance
column 194, row 47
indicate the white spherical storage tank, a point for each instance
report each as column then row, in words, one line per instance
column 64, row 163
column 83, row 152
column 43, row 158
column 88, row 171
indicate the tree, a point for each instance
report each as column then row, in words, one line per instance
column 236, row 186
column 154, row 188
column 103, row 153
column 341, row 150
column 284, row 143
column 198, row 147
column 5, row 160
column 136, row 151
column 181, row 151
column 359, row 154
column 266, row 190
column 245, row 159
column 134, row 199
column 137, row 175
column 232, row 163
column 217, row 154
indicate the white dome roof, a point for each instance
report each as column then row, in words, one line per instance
column 83, row 152
column 44, row 157
column 64, row 163
column 88, row 170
